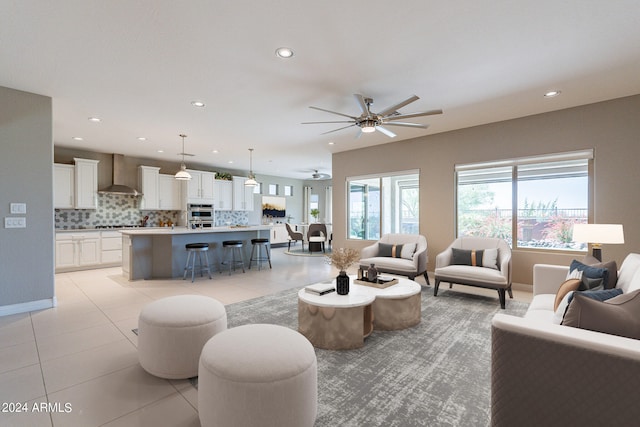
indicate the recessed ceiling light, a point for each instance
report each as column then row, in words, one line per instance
column 332, row 143
column 160, row 151
column 95, row 119
column 230, row 161
column 198, row 104
column 215, row 151
column 552, row 93
column 78, row 138
column 142, row 138
column 284, row 52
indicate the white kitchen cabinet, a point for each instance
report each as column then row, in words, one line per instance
column 86, row 183
column 279, row 234
column 148, row 180
column 110, row 248
column 223, row 195
column 77, row 249
column 63, row 186
column 169, row 193
column 242, row 195
column 200, row 187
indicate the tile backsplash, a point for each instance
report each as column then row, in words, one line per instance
column 113, row 209
column 119, row 209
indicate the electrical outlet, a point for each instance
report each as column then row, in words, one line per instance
column 18, row 208
column 15, row 222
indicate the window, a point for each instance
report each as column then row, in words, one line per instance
column 531, row 202
column 257, row 189
column 273, row 189
column 383, row 204
column 288, row 190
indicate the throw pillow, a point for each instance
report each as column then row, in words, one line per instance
column 562, row 308
column 568, row 286
column 590, row 273
column 388, row 250
column 408, row 249
column 616, row 316
column 611, row 267
column 599, row 295
column 475, row 257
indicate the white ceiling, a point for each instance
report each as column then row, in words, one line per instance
column 138, row 65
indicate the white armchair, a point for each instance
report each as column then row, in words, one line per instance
column 498, row 278
column 410, row 265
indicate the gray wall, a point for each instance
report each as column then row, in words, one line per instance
column 612, row 128
column 26, row 175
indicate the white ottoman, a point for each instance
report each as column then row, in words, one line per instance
column 258, row 375
column 172, row 332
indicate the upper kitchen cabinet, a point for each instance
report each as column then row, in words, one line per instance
column 63, row 186
column 148, row 181
column 169, row 193
column 200, row 187
column 242, row 195
column 86, row 183
column 223, row 195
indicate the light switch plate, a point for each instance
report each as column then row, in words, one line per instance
column 18, row 208
column 15, row 222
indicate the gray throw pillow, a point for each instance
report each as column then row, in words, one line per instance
column 616, row 316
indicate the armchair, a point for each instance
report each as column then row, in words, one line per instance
column 405, row 264
column 317, row 234
column 294, row 236
column 496, row 277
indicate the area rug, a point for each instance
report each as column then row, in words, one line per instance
column 300, row 252
column 434, row 374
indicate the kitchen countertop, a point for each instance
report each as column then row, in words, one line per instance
column 146, row 231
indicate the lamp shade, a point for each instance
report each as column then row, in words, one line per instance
column 598, row 233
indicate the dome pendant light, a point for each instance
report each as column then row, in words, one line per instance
column 251, row 182
column 182, row 174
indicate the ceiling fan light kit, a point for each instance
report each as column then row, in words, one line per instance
column 369, row 121
column 182, row 174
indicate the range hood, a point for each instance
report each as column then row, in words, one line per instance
column 117, row 173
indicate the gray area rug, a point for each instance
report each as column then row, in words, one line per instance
column 434, row 374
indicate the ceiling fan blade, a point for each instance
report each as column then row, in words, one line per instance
column 333, row 112
column 408, row 116
column 409, row 125
column 386, row 131
column 361, row 103
column 399, row 105
column 336, row 130
column 339, row 121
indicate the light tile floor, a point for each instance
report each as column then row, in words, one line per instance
column 77, row 365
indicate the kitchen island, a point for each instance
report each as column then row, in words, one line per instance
column 159, row 253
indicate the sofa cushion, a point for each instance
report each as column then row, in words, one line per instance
column 388, row 264
column 475, row 257
column 469, row 274
column 616, row 316
column 592, row 277
column 566, row 287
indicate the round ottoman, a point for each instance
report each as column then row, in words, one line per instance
column 172, row 332
column 258, row 375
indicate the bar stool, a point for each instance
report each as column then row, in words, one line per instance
column 233, row 248
column 196, row 250
column 260, row 243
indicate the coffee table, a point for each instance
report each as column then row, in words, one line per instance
column 342, row 322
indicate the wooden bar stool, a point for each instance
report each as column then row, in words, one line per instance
column 260, row 243
column 233, row 254
column 196, row 250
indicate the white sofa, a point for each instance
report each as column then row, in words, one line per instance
column 411, row 268
column 548, row 374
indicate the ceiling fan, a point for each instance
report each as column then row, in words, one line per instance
column 369, row 121
column 317, row 176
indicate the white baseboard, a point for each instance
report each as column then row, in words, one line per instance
column 7, row 310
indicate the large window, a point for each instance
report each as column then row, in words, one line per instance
column 530, row 202
column 383, row 204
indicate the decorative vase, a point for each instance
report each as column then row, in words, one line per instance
column 372, row 273
column 342, row 283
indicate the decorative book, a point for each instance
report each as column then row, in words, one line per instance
column 320, row 288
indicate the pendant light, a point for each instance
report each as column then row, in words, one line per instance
column 182, row 174
column 251, row 182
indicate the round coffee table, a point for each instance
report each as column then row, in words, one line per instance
column 342, row 322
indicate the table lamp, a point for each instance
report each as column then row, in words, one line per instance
column 597, row 234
